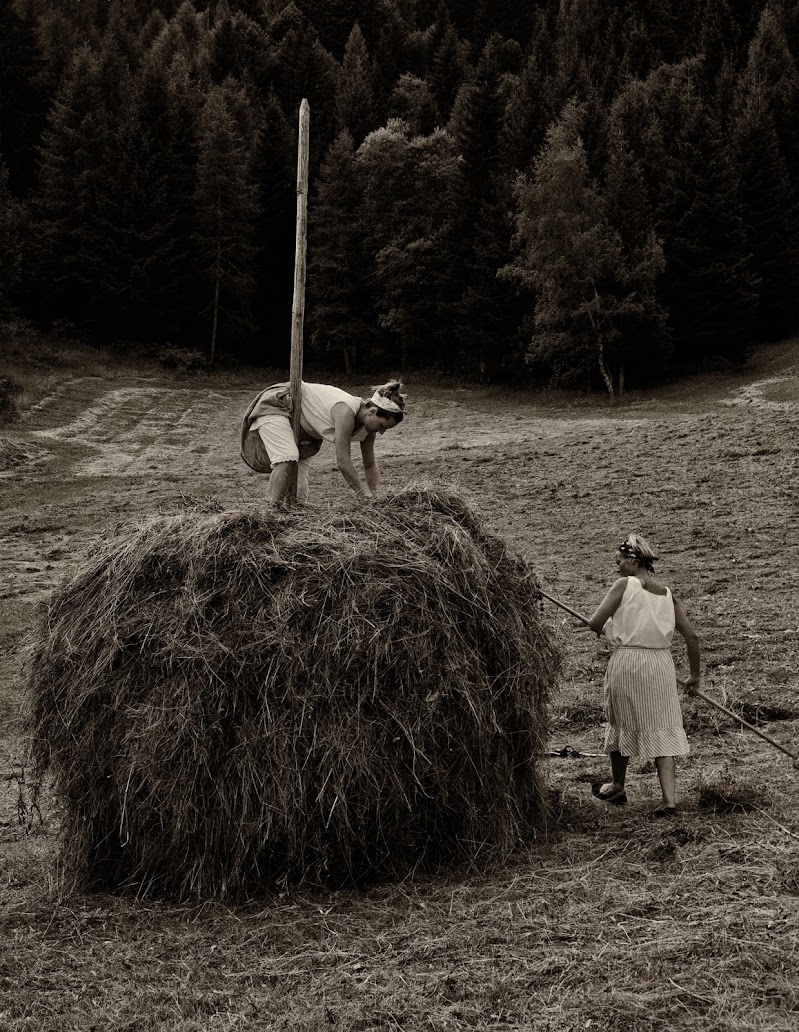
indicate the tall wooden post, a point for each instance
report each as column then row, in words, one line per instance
column 298, row 308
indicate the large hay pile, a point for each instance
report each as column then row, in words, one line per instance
column 226, row 701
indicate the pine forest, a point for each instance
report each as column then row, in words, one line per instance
column 568, row 192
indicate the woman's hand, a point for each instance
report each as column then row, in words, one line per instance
column 691, row 684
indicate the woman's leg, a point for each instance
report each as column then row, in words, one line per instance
column 278, row 440
column 618, row 764
column 303, row 472
column 666, row 768
column 279, row 482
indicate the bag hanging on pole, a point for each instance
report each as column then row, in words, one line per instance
column 276, row 396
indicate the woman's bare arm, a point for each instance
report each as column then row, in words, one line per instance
column 344, row 426
column 683, row 625
column 608, row 606
column 369, row 464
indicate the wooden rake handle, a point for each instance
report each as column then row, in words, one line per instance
column 563, row 605
column 746, row 724
column 695, row 691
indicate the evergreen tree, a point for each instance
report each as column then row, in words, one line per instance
column 21, row 99
column 410, row 211
column 771, row 63
column 488, row 310
column 186, row 34
column 237, row 48
column 301, row 68
column 771, row 215
column 333, row 20
column 707, row 288
column 58, row 40
column 652, row 36
column 70, row 159
column 340, row 315
column 448, row 69
column 11, row 234
column 642, row 347
column 573, row 259
column 387, row 37
column 225, row 201
column 507, row 18
column 579, row 55
column 717, row 38
column 413, row 103
column 354, row 105
column 276, row 176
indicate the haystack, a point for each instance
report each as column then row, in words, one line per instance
column 225, row 702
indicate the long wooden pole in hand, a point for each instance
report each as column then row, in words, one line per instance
column 298, row 308
column 707, row 699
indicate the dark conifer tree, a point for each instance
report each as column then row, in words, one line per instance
column 718, row 40
column 341, row 317
column 707, row 288
column 237, row 48
column 642, row 348
column 301, row 68
column 22, row 101
column 652, row 36
column 186, row 34
column 225, row 201
column 573, row 259
column 578, row 59
column 525, row 118
column 70, row 160
column 506, row 18
column 276, row 176
column 771, row 215
column 12, row 230
column 448, row 67
column 488, row 311
column 771, row 63
column 355, row 95
column 58, row 39
column 410, row 211
column 413, row 103
column 388, row 37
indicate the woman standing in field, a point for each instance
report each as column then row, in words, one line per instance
column 327, row 414
column 639, row 615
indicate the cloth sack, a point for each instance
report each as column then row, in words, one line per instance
column 276, row 396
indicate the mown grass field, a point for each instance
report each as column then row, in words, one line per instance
column 611, row 920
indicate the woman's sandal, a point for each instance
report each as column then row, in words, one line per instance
column 664, row 811
column 607, row 794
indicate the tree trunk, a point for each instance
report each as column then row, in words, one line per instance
column 346, row 348
column 217, row 273
column 621, row 377
column 603, row 369
column 215, row 320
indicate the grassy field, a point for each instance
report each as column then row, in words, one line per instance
column 611, row 920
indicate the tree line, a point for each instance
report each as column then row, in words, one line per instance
column 579, row 193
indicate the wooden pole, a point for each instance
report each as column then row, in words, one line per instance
column 298, row 308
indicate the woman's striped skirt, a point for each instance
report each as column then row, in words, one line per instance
column 642, row 707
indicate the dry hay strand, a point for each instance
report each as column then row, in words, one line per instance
column 728, row 791
column 226, row 702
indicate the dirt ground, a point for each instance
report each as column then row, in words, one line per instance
column 612, row 921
